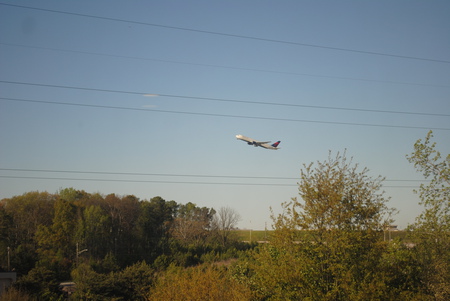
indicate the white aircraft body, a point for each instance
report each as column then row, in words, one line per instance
column 256, row 143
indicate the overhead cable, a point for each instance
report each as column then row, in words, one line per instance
column 223, row 99
column 165, row 182
column 225, row 115
column 228, row 67
column 168, row 174
column 142, row 181
column 231, row 35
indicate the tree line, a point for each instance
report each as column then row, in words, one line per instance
column 325, row 245
column 46, row 235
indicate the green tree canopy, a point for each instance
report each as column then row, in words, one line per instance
column 326, row 244
column 435, row 195
column 432, row 228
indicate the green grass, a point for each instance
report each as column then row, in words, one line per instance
column 262, row 235
column 252, row 235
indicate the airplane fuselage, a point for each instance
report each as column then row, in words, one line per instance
column 255, row 143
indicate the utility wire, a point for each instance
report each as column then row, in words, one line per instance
column 226, row 67
column 143, row 181
column 145, row 174
column 165, row 182
column 230, row 35
column 168, row 174
column 224, row 115
column 224, row 100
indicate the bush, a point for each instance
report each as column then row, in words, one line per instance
column 199, row 283
column 14, row 294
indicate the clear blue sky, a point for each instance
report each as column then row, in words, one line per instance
column 362, row 56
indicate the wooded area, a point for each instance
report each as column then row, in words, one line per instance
column 326, row 245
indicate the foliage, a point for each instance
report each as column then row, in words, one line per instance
column 336, row 195
column 153, row 226
column 328, row 244
column 14, row 294
column 402, row 272
column 101, row 238
column 192, row 224
column 40, row 282
column 56, row 245
column 435, row 196
column 199, row 283
column 432, row 228
column 132, row 283
column 6, row 223
column 336, row 257
column 28, row 212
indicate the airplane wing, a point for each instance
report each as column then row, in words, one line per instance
column 251, row 141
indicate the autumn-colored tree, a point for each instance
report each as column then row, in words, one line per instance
column 28, row 211
column 432, row 228
column 106, row 242
column 192, row 224
column 199, row 283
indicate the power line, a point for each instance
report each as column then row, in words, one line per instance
column 224, row 115
column 146, row 174
column 165, row 182
column 224, row 99
column 169, row 174
column 143, row 181
column 231, row 35
column 226, row 67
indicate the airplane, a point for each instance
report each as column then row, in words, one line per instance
column 255, row 143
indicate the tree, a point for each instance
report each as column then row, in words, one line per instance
column 72, row 195
column 41, row 283
column 132, row 283
column 56, row 242
column 28, row 211
column 326, row 245
column 432, row 227
column 199, row 283
column 224, row 221
column 337, row 196
column 192, row 224
column 124, row 213
column 96, row 236
column 435, row 196
column 6, row 223
column 153, row 226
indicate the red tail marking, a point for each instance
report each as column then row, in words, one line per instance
column 276, row 144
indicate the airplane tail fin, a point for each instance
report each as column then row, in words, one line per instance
column 276, row 144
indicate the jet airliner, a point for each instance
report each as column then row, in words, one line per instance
column 256, row 143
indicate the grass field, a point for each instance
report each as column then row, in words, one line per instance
column 262, row 235
column 252, row 235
